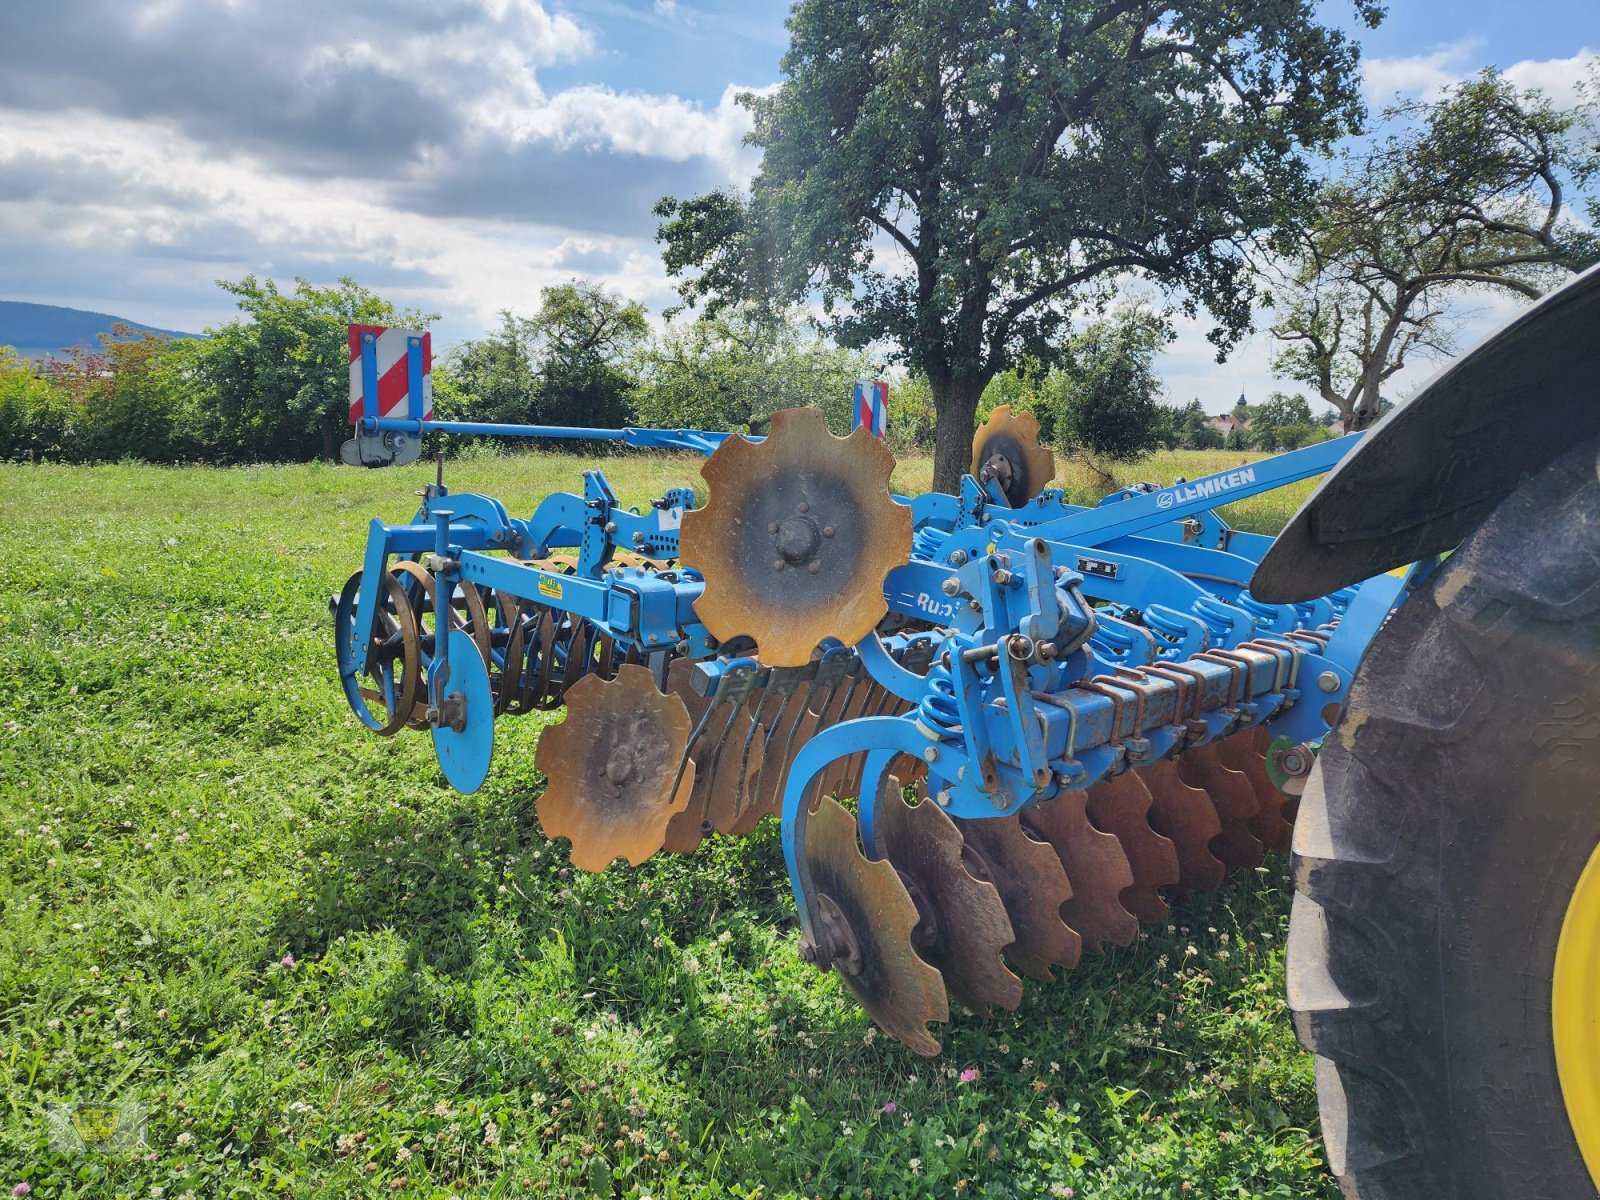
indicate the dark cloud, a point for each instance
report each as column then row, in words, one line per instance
column 293, row 82
column 578, row 189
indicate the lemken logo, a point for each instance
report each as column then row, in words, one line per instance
column 943, row 609
column 1202, row 489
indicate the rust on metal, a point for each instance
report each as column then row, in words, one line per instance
column 796, row 538
column 1186, row 817
column 1120, row 806
column 1235, row 801
column 1245, row 752
column 1033, row 886
column 1095, row 863
column 863, row 919
column 1006, row 449
column 610, row 767
column 962, row 927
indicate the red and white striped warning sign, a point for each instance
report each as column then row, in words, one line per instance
column 392, row 367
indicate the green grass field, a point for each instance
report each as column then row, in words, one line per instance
column 186, row 808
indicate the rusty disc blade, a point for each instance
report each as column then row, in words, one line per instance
column 1271, row 824
column 962, row 927
column 796, row 538
column 1186, row 817
column 864, row 914
column 1096, row 865
column 1006, row 449
column 1032, row 885
column 688, row 828
column 611, row 765
column 1120, row 805
column 1236, row 805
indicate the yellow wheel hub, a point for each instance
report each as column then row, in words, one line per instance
column 1575, row 1010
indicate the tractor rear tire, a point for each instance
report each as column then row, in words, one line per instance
column 1439, row 844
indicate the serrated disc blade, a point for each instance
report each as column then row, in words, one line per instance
column 611, row 766
column 796, row 538
column 1120, row 806
column 1271, row 824
column 872, row 908
column 1032, row 885
column 1096, row 865
column 963, row 927
column 1186, row 817
column 1236, row 805
column 1006, row 448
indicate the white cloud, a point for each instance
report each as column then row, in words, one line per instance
column 1425, row 76
column 666, row 8
column 162, row 188
column 1419, row 75
column 1557, row 78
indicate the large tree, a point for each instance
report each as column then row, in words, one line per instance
column 954, row 177
column 1469, row 194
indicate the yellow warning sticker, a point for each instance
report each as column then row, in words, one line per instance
column 549, row 587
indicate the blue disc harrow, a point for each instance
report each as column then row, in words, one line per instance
column 1051, row 718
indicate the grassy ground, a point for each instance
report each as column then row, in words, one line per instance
column 186, row 809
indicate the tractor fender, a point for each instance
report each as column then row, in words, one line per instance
column 1437, row 465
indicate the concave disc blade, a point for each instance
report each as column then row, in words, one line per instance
column 611, row 766
column 796, row 538
column 1033, row 886
column 1187, row 818
column 963, row 926
column 687, row 829
column 1096, row 865
column 872, row 917
column 1272, row 823
column 1236, row 805
column 1006, row 449
column 1121, row 807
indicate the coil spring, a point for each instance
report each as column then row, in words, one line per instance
column 937, row 713
column 927, row 542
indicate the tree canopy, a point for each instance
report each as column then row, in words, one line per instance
column 955, row 179
column 1469, row 194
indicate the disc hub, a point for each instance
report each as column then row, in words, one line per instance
column 798, row 540
column 833, row 943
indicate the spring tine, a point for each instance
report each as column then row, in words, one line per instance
column 1120, row 806
column 1236, row 804
column 1270, row 824
column 775, row 762
column 1186, row 817
column 1032, row 884
column 1096, row 865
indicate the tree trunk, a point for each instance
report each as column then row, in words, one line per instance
column 955, row 409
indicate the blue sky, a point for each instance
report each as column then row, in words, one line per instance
column 460, row 154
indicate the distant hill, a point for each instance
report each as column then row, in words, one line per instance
column 46, row 330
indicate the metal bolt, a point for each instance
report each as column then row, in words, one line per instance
column 772, row 527
column 944, row 798
column 813, row 567
column 828, row 531
column 959, row 558
column 802, row 507
column 1003, row 577
column 777, row 564
column 1328, row 681
column 432, row 715
column 638, row 538
column 931, row 754
column 611, row 527
column 951, row 586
